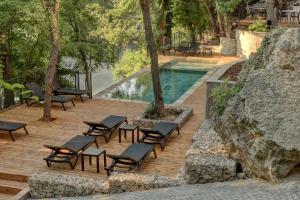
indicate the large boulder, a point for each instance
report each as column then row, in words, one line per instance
column 261, row 125
column 207, row 160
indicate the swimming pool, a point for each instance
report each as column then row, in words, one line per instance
column 175, row 82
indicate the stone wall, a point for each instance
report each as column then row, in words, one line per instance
column 51, row 185
column 248, row 42
column 228, row 46
column 129, row 182
column 181, row 119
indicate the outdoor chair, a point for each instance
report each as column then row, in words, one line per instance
column 182, row 48
column 36, row 90
column 70, row 151
column 106, row 127
column 12, row 126
column 159, row 134
column 59, row 90
column 193, row 49
column 132, row 158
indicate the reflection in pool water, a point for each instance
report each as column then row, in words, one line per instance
column 175, row 82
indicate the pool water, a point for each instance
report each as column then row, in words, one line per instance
column 175, row 82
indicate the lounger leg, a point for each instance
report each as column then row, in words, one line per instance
column 90, row 160
column 26, row 130
column 106, row 140
column 73, row 103
column 98, row 164
column 96, row 143
column 10, row 133
column 104, row 158
column 154, row 152
column 48, row 163
column 81, row 98
column 132, row 139
column 119, row 136
column 63, row 106
column 82, row 163
column 178, row 130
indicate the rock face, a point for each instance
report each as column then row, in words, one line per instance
column 261, row 125
column 207, row 160
column 50, row 185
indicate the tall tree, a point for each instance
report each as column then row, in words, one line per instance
column 54, row 10
column 271, row 12
column 158, row 97
column 212, row 16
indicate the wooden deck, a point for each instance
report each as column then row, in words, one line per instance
column 25, row 156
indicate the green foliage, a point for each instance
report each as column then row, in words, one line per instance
column 191, row 15
column 258, row 26
column 226, row 7
column 221, row 96
column 132, row 61
column 152, row 112
column 17, row 89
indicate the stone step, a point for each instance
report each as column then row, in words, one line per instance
column 11, row 187
column 6, row 196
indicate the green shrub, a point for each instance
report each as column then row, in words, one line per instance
column 151, row 112
column 131, row 62
column 258, row 26
column 221, row 96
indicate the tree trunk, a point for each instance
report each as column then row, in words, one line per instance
column 9, row 97
column 271, row 13
column 169, row 19
column 52, row 62
column 87, row 69
column 212, row 18
column 158, row 97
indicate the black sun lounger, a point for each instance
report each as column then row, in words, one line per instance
column 132, row 158
column 70, row 151
column 106, row 127
column 37, row 91
column 58, row 90
column 12, row 126
column 159, row 134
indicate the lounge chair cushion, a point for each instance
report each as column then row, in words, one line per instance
column 137, row 151
column 11, row 126
column 62, row 98
column 165, row 128
column 71, row 91
column 79, row 143
column 113, row 121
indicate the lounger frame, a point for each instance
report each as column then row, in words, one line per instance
column 126, row 162
column 100, row 130
column 155, row 137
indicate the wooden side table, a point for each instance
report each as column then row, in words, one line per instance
column 129, row 127
column 93, row 152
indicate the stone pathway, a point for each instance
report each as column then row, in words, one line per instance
column 236, row 190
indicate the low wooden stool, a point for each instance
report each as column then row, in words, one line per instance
column 93, row 152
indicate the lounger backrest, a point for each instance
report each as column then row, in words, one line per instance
column 165, row 128
column 137, row 151
column 36, row 90
column 113, row 121
column 79, row 143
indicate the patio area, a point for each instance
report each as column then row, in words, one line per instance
column 25, row 156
